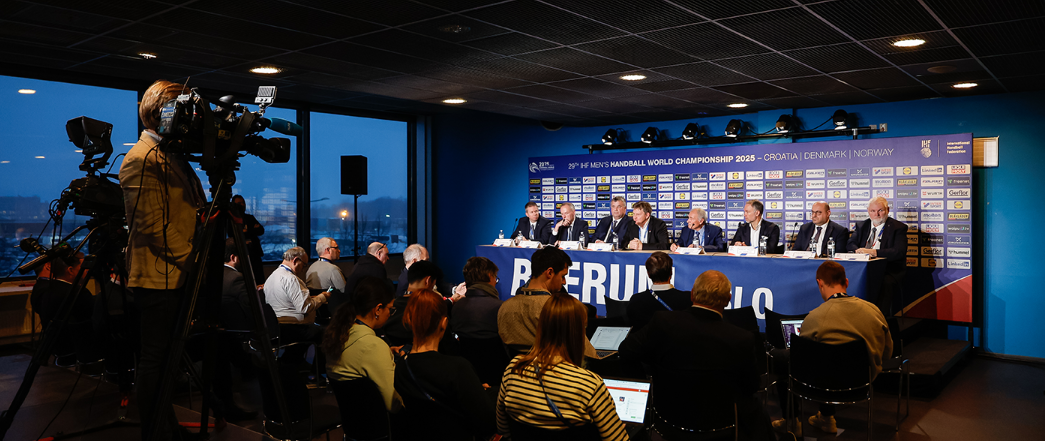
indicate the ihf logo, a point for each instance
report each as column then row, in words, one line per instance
column 927, row 150
column 541, row 166
column 533, row 167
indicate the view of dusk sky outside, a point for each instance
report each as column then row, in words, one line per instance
column 37, row 162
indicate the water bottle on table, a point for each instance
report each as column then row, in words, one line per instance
column 500, row 235
column 831, row 247
column 615, row 244
column 762, row 245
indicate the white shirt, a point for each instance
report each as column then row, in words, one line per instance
column 877, row 232
column 754, row 237
column 287, row 294
column 643, row 232
column 817, row 246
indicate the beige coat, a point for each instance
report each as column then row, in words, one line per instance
column 159, row 189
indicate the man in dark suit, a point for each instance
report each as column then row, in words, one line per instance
column 678, row 346
column 234, row 314
column 616, row 222
column 700, row 234
column 661, row 297
column 534, row 226
column 645, row 232
column 755, row 227
column 813, row 236
column 569, row 228
column 885, row 237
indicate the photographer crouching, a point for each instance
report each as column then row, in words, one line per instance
column 161, row 195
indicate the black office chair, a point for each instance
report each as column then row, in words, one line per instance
column 900, row 365
column 306, row 419
column 488, row 356
column 774, row 335
column 831, row 374
column 616, row 308
column 363, row 412
column 685, row 408
column 525, row 432
column 743, row 318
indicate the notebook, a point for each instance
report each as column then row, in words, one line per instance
column 630, row 398
column 607, row 339
column 790, row 327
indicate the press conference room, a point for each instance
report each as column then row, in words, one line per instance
column 725, row 168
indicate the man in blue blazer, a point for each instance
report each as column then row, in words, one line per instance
column 618, row 221
column 700, row 234
column 533, row 226
column 813, row 236
column 569, row 228
column 755, row 226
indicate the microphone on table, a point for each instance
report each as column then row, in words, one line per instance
column 794, row 237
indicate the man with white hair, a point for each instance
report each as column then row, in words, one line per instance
column 324, row 274
column 412, row 254
column 294, row 307
column 569, row 228
column 885, row 237
column 700, row 234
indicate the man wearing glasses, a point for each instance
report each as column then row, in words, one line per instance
column 885, row 237
column 324, row 274
column 814, row 235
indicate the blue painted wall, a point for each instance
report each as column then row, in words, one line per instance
column 479, row 167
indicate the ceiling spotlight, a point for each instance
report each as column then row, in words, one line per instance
column 147, row 55
column 783, row 124
column 268, row 70
column 691, row 131
column 734, row 127
column 965, row 85
column 610, row 137
column 650, row 135
column 910, row 42
column 26, row 91
column 839, row 119
column 737, row 105
column 454, row 101
column 633, row 77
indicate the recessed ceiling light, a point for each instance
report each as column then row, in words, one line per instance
column 147, row 55
column 39, row 157
column 79, row 151
column 965, row 85
column 454, row 101
column 454, row 29
column 26, row 91
column 910, row 42
column 5, row 162
column 265, row 70
column 633, row 77
column 128, row 143
column 738, row 105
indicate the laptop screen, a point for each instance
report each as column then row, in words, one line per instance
column 790, row 327
column 608, row 338
column 630, row 398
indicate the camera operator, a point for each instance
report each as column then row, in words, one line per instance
column 161, row 195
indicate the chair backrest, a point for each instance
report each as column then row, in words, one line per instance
column 488, row 356
column 525, row 432
column 693, row 400
column 774, row 335
column 616, row 308
column 363, row 413
column 743, row 318
column 838, row 367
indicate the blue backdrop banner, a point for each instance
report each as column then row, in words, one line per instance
column 927, row 180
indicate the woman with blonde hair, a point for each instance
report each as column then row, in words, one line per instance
column 545, row 394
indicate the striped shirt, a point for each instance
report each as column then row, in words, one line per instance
column 580, row 395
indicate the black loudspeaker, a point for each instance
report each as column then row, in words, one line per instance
column 353, row 175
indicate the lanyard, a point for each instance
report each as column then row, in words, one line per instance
column 551, row 404
column 654, row 293
column 287, row 268
column 838, row 295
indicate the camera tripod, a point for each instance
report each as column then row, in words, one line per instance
column 204, row 287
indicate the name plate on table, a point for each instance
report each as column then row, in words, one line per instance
column 502, row 242
column 857, row 257
column 743, row 251
column 529, row 244
column 600, row 247
column 570, row 245
column 800, row 254
column 687, row 250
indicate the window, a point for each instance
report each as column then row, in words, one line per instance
column 37, row 161
column 382, row 215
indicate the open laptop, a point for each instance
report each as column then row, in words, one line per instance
column 790, row 327
column 607, row 339
column 630, row 397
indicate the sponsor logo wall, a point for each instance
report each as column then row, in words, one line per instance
column 927, row 180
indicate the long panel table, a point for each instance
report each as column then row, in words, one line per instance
column 785, row 285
